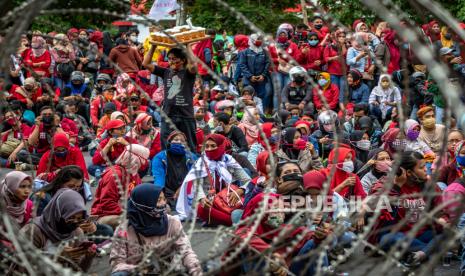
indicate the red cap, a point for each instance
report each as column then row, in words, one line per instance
column 60, row 140
column 314, row 180
column 112, row 124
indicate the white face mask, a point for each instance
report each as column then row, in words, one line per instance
column 364, row 144
column 348, row 166
column 133, row 38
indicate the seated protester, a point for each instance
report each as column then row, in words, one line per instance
column 85, row 134
column 143, row 80
column 311, row 53
column 241, row 159
column 60, row 223
column 358, row 91
column 217, row 94
column 419, row 94
column 212, row 173
column 37, row 60
column 258, row 184
column 344, row 181
column 293, row 147
column 98, row 104
column 134, row 107
column 111, row 148
column 222, row 125
column 72, row 177
column 330, row 93
column 295, row 114
column 415, row 191
column 40, row 136
column 328, row 123
column 282, row 116
column 384, row 97
column 149, row 227
column 78, row 91
column 431, row 134
column 50, row 95
column 249, row 98
column 107, row 197
column 271, row 227
column 381, row 164
column 27, row 94
column 298, row 91
column 175, row 162
column 146, row 134
column 365, row 123
column 314, row 187
column 392, row 119
column 360, row 143
column 412, row 132
column 250, row 124
column 117, row 115
column 12, row 139
column 272, row 135
column 361, row 110
column 288, row 180
column 394, row 141
column 61, row 154
column 15, row 190
column 124, row 87
column 203, row 129
column 226, row 106
column 456, row 168
column 306, row 128
column 108, row 110
column 101, row 80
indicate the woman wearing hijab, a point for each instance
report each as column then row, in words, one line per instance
column 175, row 162
column 359, row 55
column 360, row 142
column 107, row 197
column 147, row 227
column 63, row 55
column 272, row 135
column 359, row 93
column 124, row 87
column 146, row 134
column 61, row 154
column 412, row 132
column 394, row 141
column 293, row 147
column 60, row 223
column 143, row 80
column 212, row 173
column 270, row 227
column 241, row 43
column 344, row 181
column 329, row 90
column 15, row 190
column 384, row 97
column 37, row 59
column 254, row 64
column 250, row 125
column 381, row 164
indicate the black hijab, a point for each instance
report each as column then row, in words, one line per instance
column 143, row 214
column 288, row 143
column 354, row 137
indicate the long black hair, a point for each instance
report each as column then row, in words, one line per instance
column 66, row 174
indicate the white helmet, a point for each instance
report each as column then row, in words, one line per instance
column 297, row 70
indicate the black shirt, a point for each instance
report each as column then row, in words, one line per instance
column 179, row 87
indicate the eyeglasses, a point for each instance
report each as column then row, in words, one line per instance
column 134, row 99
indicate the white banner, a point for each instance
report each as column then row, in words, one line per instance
column 162, row 8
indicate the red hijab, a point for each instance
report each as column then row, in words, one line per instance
column 394, row 50
column 261, row 161
column 266, row 128
column 218, row 153
column 388, row 137
column 241, row 42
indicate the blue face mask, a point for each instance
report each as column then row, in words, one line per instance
column 177, row 148
column 114, row 136
column 460, row 160
column 313, row 42
column 294, row 117
column 61, row 154
column 322, row 82
column 274, row 139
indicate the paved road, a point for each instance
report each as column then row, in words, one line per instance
column 202, row 243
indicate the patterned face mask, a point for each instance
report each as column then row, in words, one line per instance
column 155, row 212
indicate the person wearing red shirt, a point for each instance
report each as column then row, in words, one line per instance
column 27, row 94
column 62, row 154
column 282, row 53
column 111, row 147
column 334, row 55
column 319, row 28
column 37, row 60
column 311, row 53
column 146, row 134
column 107, row 196
column 329, row 90
column 40, row 136
column 135, row 107
column 97, row 105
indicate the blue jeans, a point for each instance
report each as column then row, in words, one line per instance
column 425, row 242
column 340, row 82
column 439, row 111
column 262, row 90
column 303, row 267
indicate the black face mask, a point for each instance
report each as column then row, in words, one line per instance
column 47, row 120
column 65, row 228
column 299, row 79
column 293, row 177
column 318, row 26
column 448, row 36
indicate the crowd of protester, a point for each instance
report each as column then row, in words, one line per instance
column 343, row 113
